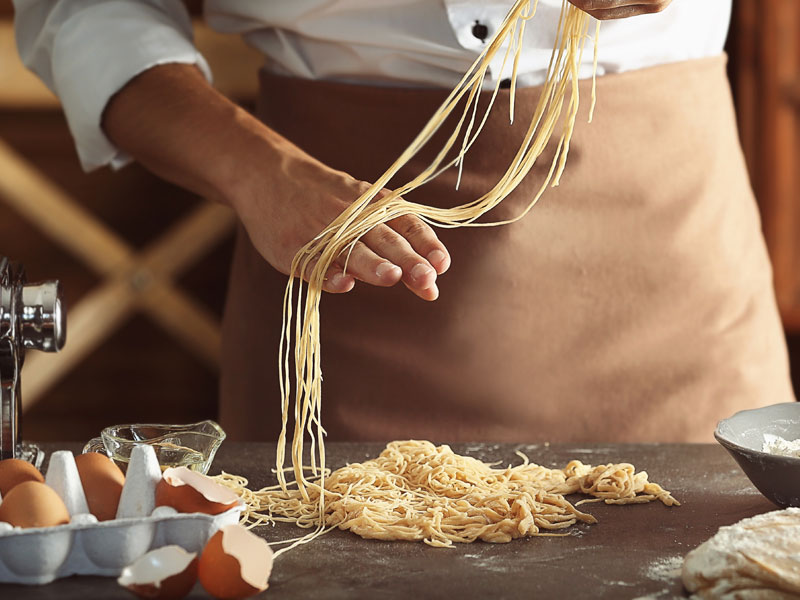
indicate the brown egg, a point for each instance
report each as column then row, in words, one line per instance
column 14, row 471
column 102, row 482
column 33, row 504
column 235, row 564
column 188, row 491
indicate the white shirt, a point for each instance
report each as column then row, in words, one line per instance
column 86, row 50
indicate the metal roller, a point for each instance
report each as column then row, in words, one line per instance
column 32, row 317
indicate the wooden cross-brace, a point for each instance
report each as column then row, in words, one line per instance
column 131, row 281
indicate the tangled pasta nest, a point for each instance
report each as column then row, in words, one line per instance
column 417, row 491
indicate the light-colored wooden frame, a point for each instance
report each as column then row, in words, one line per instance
column 130, row 281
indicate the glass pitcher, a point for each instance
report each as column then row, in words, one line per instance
column 192, row 446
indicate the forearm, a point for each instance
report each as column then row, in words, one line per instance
column 175, row 124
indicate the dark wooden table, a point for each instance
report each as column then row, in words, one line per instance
column 632, row 552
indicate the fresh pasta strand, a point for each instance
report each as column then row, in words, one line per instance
column 417, row 491
column 301, row 323
column 300, row 334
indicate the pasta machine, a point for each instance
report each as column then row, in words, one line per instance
column 32, row 317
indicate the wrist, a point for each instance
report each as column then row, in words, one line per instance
column 261, row 166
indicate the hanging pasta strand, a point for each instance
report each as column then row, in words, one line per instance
column 300, row 352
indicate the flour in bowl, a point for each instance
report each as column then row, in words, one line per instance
column 774, row 444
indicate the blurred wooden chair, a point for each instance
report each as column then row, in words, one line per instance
column 130, row 280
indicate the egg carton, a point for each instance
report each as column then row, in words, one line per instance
column 86, row 546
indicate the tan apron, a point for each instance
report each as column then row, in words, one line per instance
column 634, row 303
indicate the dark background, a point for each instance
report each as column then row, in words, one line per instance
column 140, row 373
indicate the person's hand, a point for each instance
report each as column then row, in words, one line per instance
column 288, row 203
column 173, row 122
column 620, row 9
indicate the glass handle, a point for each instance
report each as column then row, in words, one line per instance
column 95, row 445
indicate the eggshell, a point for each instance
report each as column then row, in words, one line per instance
column 33, row 504
column 235, row 564
column 102, row 482
column 14, row 471
column 188, row 491
column 168, row 573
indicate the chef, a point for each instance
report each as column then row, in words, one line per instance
column 634, row 303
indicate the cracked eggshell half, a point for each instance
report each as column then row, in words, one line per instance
column 188, row 491
column 168, row 573
column 235, row 564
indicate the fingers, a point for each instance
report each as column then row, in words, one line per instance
column 624, row 12
column 367, row 266
column 610, row 4
column 412, row 245
column 423, row 240
column 619, row 9
column 335, row 282
column 406, row 250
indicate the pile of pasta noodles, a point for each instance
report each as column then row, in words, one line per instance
column 413, row 490
column 417, row 491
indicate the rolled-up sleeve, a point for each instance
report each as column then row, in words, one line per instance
column 87, row 50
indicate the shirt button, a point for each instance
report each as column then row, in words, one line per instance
column 480, row 31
